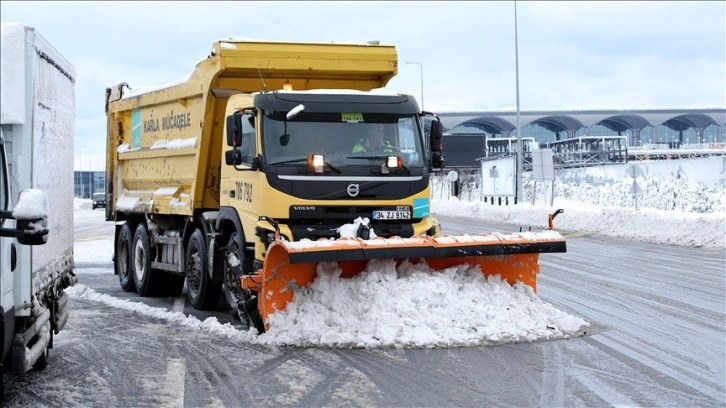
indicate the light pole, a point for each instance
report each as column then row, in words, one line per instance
column 520, row 148
column 420, row 65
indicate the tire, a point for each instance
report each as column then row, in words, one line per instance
column 145, row 279
column 122, row 260
column 203, row 293
column 242, row 302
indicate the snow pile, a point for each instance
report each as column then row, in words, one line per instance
column 681, row 203
column 32, row 205
column 386, row 305
column 674, row 193
column 175, row 143
column 209, row 325
column 688, row 185
column 645, row 225
column 408, row 307
column 351, row 230
column 414, row 306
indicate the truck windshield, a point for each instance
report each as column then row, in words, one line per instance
column 345, row 139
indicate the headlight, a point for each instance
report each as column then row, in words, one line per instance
column 316, row 162
column 394, row 162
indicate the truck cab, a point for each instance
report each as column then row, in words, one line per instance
column 26, row 224
column 291, row 157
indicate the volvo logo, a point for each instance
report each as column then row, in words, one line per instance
column 353, row 189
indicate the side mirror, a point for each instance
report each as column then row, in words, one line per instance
column 436, row 136
column 31, row 214
column 234, row 130
column 437, row 160
column 284, row 139
column 233, row 157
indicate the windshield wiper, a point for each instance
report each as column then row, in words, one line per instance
column 403, row 167
column 304, row 160
column 298, row 160
column 367, row 157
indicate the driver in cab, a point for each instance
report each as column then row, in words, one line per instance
column 373, row 142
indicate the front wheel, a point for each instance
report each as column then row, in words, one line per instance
column 242, row 302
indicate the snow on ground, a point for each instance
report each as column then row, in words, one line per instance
column 645, row 224
column 408, row 305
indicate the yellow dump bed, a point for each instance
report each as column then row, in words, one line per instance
column 164, row 145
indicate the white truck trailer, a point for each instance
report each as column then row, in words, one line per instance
column 36, row 196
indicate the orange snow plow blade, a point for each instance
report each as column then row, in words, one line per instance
column 293, row 264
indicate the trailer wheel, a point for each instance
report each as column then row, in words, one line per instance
column 242, row 302
column 202, row 291
column 145, row 279
column 123, row 259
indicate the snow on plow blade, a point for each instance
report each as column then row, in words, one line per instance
column 293, row 264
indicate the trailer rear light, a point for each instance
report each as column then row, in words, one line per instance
column 316, row 162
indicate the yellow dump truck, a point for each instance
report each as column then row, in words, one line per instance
column 238, row 178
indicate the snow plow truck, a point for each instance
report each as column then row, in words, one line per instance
column 237, row 179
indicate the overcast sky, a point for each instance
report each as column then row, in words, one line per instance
column 572, row 55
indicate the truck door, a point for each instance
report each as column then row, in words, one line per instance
column 7, row 300
column 243, row 186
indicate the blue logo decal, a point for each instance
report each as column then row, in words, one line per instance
column 420, row 207
column 136, row 129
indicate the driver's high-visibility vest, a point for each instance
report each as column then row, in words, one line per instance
column 360, row 147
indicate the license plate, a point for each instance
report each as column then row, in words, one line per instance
column 391, row 215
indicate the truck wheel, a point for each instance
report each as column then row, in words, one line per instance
column 123, row 259
column 144, row 278
column 203, row 292
column 242, row 302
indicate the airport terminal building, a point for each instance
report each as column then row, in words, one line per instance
column 612, row 132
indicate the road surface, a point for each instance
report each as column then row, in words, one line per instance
column 658, row 338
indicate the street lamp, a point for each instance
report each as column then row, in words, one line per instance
column 520, row 148
column 420, row 65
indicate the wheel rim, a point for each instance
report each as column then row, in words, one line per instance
column 193, row 270
column 231, row 284
column 234, row 292
column 123, row 258
column 139, row 261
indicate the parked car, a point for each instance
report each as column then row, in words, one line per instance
column 99, row 200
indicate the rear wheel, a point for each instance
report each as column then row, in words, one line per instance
column 145, row 279
column 202, row 291
column 123, row 259
column 242, row 302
